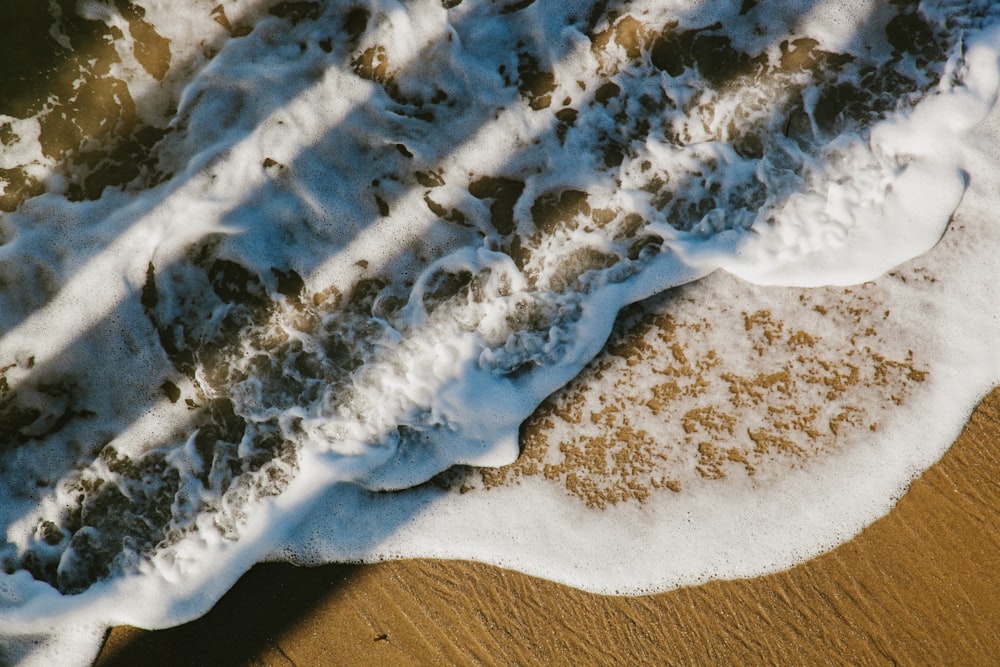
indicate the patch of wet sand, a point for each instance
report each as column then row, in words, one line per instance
column 918, row 586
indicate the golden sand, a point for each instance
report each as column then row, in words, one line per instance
column 917, row 587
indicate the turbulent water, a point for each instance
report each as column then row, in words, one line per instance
column 268, row 268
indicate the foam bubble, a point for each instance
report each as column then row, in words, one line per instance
column 372, row 238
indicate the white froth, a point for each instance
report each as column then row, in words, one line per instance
column 331, row 267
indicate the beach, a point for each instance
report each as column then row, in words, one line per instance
column 509, row 332
column 917, row 587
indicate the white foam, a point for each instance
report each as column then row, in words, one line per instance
column 288, row 155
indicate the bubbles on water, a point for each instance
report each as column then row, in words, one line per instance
column 525, row 187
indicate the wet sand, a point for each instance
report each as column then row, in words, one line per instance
column 917, row 587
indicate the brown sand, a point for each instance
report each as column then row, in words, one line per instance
column 918, row 587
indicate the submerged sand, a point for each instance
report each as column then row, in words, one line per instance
column 917, row 587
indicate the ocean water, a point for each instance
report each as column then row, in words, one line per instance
column 627, row 295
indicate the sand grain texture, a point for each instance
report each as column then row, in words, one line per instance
column 917, row 587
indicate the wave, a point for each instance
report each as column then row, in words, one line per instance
column 298, row 293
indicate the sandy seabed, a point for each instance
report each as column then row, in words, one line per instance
column 917, row 587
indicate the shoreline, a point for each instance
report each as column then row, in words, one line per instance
column 92, row 99
column 916, row 587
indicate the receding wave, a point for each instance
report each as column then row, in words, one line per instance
column 357, row 280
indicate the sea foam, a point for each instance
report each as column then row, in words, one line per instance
column 375, row 237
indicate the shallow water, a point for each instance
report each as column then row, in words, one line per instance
column 291, row 262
